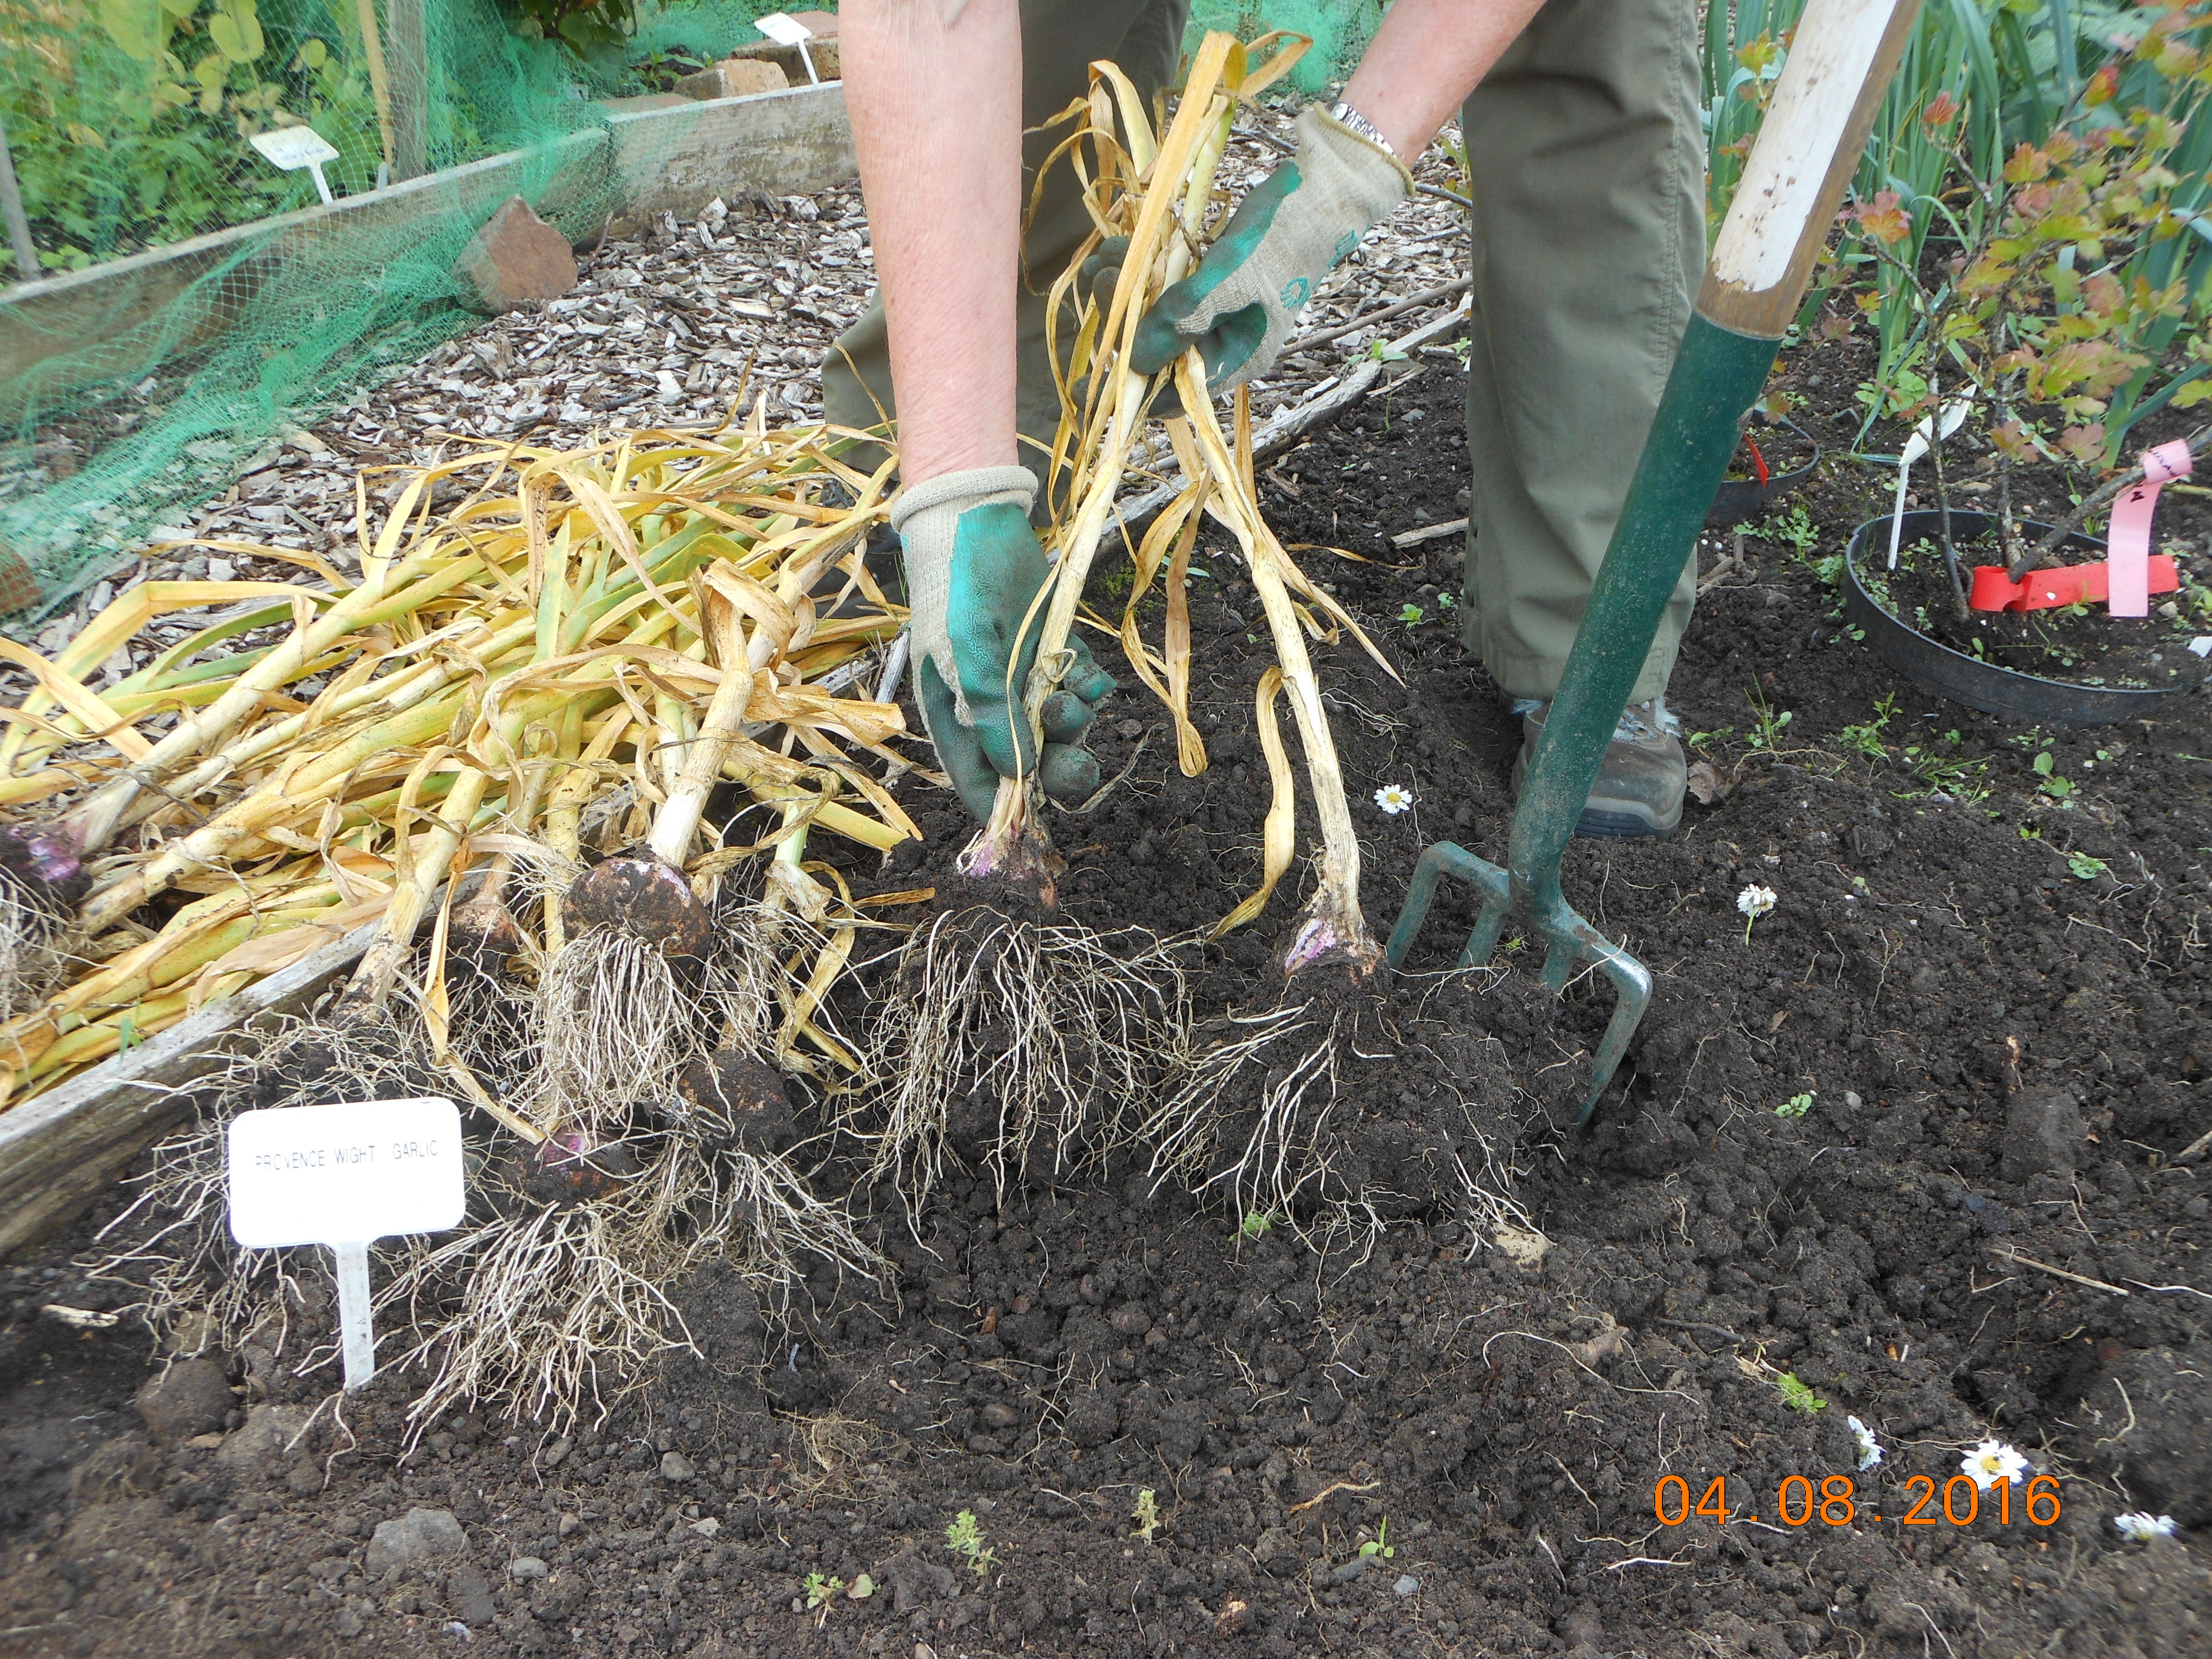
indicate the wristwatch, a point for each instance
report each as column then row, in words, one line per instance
column 1345, row 116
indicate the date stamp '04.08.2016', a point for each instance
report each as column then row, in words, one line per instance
column 1835, row 1502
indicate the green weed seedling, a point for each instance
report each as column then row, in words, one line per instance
column 965, row 1538
column 2054, row 784
column 1147, row 1515
column 1766, row 730
column 1866, row 739
column 1940, row 773
column 820, row 1591
column 1411, row 615
column 1799, row 1396
column 1795, row 1106
column 1256, row 1223
column 1380, row 1544
column 2086, row 867
column 1794, row 529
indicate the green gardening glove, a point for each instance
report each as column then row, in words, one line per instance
column 973, row 565
column 1240, row 304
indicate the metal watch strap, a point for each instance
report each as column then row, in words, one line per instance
column 1344, row 115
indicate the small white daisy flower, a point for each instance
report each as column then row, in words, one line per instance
column 1393, row 799
column 1992, row 1461
column 1754, row 902
column 1869, row 1449
column 2142, row 1526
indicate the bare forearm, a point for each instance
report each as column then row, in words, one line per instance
column 1425, row 59
column 936, row 114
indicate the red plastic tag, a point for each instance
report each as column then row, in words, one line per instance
column 2069, row 584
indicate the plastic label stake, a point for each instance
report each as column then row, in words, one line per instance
column 2127, row 544
column 788, row 31
column 1924, row 437
column 294, row 148
column 344, row 1176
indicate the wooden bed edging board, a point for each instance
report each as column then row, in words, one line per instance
column 58, row 1150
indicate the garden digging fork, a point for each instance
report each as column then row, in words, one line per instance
column 1807, row 149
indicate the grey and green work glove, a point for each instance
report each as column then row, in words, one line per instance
column 973, row 566
column 1240, row 305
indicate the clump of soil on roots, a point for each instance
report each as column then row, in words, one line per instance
column 1494, row 1336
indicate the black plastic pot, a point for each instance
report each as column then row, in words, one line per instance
column 1969, row 680
column 1740, row 500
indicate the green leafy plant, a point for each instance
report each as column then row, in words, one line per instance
column 1380, row 1544
column 820, row 1591
column 965, row 1538
column 1256, row 1223
column 1147, row 1515
column 2053, row 783
column 1795, row 1106
column 1767, row 726
column 586, row 28
column 1411, row 615
column 1794, row 529
column 1797, row 1395
column 2085, row 867
column 1866, row 738
column 1940, row 772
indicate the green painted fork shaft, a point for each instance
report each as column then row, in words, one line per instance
column 1717, row 375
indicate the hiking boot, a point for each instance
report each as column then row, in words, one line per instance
column 1639, row 785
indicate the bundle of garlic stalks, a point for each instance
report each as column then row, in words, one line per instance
column 567, row 658
column 1084, row 1041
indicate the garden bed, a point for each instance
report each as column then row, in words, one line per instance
column 1979, row 1225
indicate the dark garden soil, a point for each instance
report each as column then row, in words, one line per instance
column 1988, row 980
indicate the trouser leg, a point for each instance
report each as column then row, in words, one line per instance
column 1059, row 39
column 1589, row 191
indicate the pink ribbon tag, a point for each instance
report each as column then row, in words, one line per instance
column 2128, row 542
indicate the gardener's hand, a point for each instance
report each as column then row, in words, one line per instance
column 973, row 566
column 1240, row 304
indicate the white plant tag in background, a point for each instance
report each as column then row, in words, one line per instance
column 783, row 29
column 294, row 148
column 788, row 31
column 346, row 1176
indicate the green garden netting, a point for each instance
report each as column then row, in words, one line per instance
column 124, row 403
column 1340, row 29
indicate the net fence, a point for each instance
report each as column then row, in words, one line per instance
column 133, row 386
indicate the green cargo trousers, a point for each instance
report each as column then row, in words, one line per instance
column 1588, row 234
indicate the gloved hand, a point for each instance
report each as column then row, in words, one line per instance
column 1240, row 305
column 973, row 565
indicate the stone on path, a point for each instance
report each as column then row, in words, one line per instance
column 734, row 78
column 192, row 1397
column 517, row 259
column 417, row 1536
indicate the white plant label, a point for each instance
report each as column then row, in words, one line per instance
column 788, row 31
column 783, row 29
column 346, row 1176
column 294, row 148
